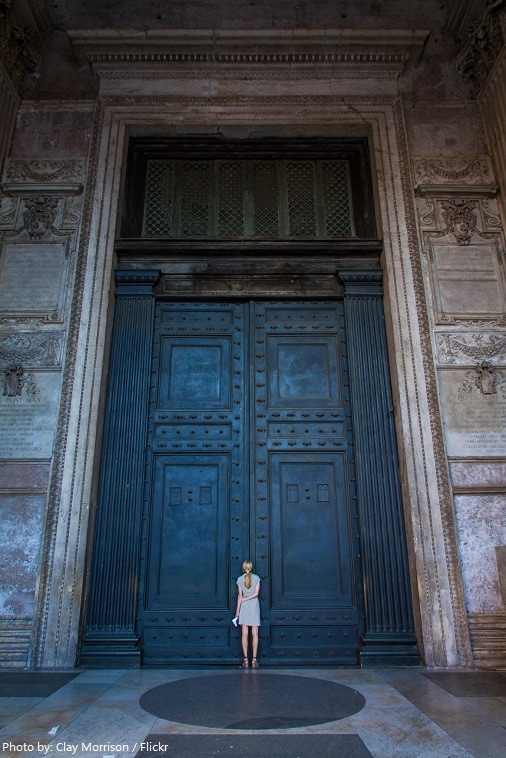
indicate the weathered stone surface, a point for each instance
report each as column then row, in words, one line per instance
column 53, row 134
column 478, row 475
column 500, row 554
column 481, row 524
column 21, row 518
column 24, row 476
column 435, row 129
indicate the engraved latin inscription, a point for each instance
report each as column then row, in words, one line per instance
column 28, row 419
column 32, row 277
column 475, row 421
column 467, row 280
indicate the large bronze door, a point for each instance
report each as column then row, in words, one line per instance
column 250, row 456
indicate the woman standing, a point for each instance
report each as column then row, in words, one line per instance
column 248, row 611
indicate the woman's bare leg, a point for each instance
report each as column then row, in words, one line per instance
column 244, row 640
column 254, row 640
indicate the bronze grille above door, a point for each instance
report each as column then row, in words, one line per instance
column 249, row 198
column 217, row 190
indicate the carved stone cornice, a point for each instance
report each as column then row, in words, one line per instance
column 112, row 52
column 486, row 42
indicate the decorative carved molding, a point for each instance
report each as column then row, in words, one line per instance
column 39, row 216
column 452, row 171
column 49, row 537
column 25, row 320
column 486, row 379
column 8, row 210
column 18, row 56
column 486, row 40
column 462, row 349
column 488, row 635
column 373, row 50
column 37, row 349
column 454, row 176
column 44, row 171
column 259, row 74
column 459, row 219
column 49, row 176
column 230, row 59
column 14, row 380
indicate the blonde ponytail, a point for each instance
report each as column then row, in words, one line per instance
column 248, row 579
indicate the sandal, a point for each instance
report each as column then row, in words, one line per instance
column 254, row 663
column 245, row 664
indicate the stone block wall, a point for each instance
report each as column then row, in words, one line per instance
column 463, row 248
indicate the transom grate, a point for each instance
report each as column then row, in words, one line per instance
column 248, row 198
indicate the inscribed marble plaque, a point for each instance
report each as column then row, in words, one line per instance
column 28, row 419
column 475, row 423
column 32, row 277
column 467, row 280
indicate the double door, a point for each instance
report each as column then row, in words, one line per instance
column 250, row 456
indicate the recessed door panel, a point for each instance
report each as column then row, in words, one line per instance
column 303, row 372
column 188, row 558
column 311, row 565
column 195, row 373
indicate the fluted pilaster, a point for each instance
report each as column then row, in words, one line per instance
column 389, row 635
column 112, row 600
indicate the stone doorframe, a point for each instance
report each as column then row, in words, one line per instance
column 435, row 564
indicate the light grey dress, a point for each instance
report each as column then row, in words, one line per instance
column 249, row 613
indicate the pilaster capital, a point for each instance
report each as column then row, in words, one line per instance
column 365, row 282
column 136, row 282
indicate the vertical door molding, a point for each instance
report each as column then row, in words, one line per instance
column 389, row 625
column 115, row 561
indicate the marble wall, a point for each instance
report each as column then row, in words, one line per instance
column 40, row 215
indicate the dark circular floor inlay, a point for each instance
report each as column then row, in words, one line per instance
column 252, row 700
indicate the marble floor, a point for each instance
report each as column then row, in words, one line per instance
column 403, row 712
